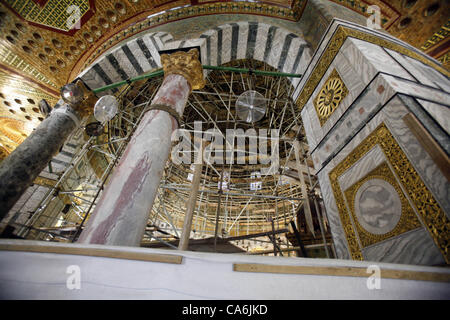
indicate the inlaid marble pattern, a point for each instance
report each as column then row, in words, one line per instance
column 436, row 182
column 420, row 159
column 348, row 122
column 430, row 219
column 388, row 80
column 378, row 206
column 331, row 44
column 330, row 96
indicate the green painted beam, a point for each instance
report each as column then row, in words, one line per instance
column 160, row 72
column 257, row 72
column 156, row 73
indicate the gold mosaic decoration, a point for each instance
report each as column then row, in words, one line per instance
column 335, row 44
column 12, row 60
column 438, row 36
column 330, row 96
column 445, row 60
column 408, row 220
column 432, row 215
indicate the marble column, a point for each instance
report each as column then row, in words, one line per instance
column 120, row 216
column 23, row 165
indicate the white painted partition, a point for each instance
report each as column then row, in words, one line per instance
column 41, row 270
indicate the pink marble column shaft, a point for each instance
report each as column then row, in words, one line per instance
column 121, row 214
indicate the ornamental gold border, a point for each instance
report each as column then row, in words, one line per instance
column 334, row 45
column 334, row 75
column 408, row 219
column 431, row 214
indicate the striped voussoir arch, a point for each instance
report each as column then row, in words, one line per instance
column 279, row 48
column 276, row 46
column 138, row 56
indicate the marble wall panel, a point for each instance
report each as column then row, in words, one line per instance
column 417, row 90
column 153, row 47
column 360, row 169
column 337, row 232
column 363, row 108
column 419, row 158
column 412, row 68
column 127, row 61
column 421, row 246
column 275, row 50
column 368, row 59
column 440, row 113
column 296, row 47
column 438, row 78
column 261, row 37
column 413, row 247
column 226, row 43
column 354, row 84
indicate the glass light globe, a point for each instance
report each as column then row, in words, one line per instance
column 72, row 94
column 106, row 108
column 251, row 106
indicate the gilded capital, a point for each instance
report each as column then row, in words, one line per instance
column 186, row 64
column 86, row 107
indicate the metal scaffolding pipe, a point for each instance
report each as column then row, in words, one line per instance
column 192, row 201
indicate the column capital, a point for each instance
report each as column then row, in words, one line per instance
column 87, row 106
column 186, row 64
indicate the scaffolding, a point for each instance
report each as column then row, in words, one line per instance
column 245, row 205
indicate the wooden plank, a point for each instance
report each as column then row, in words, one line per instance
column 255, row 235
column 94, row 252
column 435, row 151
column 342, row 272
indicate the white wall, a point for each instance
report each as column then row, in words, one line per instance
column 28, row 275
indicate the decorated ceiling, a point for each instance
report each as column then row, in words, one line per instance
column 46, row 43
